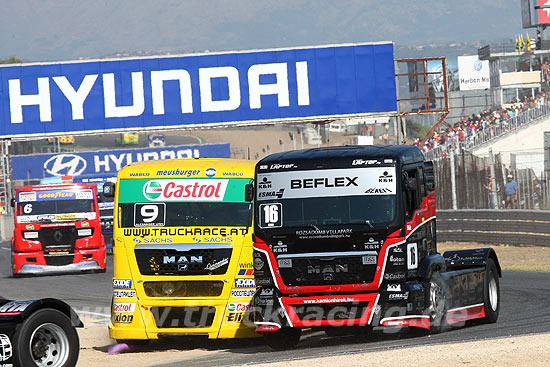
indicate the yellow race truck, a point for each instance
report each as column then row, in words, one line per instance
column 182, row 250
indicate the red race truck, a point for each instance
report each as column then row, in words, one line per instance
column 346, row 237
column 57, row 229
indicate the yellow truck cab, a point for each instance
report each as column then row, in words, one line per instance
column 182, row 250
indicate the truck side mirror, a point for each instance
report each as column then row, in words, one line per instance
column 12, row 202
column 249, row 192
column 412, row 184
column 109, row 189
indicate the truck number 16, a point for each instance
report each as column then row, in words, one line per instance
column 271, row 215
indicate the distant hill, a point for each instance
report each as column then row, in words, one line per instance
column 67, row 29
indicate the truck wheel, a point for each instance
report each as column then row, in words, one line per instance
column 285, row 338
column 46, row 338
column 491, row 293
column 437, row 303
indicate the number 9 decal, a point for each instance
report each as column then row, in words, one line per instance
column 149, row 215
column 271, row 215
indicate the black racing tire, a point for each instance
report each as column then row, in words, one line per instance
column 46, row 337
column 491, row 293
column 283, row 339
column 437, row 303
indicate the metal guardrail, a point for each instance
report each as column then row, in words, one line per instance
column 510, row 227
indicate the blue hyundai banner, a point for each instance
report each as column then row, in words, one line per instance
column 207, row 89
column 39, row 166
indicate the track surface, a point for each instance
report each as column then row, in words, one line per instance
column 524, row 309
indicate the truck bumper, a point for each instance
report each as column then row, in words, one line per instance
column 273, row 313
column 33, row 263
column 153, row 319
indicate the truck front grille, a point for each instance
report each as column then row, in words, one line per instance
column 338, row 270
column 183, row 317
column 57, row 237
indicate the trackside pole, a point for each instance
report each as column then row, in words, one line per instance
column 493, row 193
column 453, row 180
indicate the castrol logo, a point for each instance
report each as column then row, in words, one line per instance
column 124, row 307
column 185, row 190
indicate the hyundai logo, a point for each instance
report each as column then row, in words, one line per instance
column 65, row 165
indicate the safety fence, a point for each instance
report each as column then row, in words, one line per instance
column 507, row 227
column 523, row 119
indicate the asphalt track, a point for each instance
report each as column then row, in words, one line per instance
column 524, row 310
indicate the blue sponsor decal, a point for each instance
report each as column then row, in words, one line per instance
column 245, row 283
column 142, row 241
column 108, row 162
column 186, row 91
column 211, row 172
column 122, row 283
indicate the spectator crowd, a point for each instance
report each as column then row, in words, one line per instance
column 467, row 128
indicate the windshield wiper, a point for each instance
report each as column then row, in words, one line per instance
column 312, row 225
column 364, row 221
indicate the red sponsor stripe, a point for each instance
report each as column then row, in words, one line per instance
column 421, row 322
column 249, row 271
column 465, row 314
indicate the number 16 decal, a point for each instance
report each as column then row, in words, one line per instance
column 271, row 215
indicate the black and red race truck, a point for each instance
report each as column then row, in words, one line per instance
column 346, row 237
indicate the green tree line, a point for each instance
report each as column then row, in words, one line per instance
column 11, row 60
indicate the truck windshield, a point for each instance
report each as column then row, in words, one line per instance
column 56, row 207
column 55, row 202
column 370, row 210
column 364, row 195
column 192, row 214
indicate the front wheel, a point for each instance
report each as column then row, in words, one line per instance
column 437, row 303
column 491, row 293
column 47, row 338
column 282, row 339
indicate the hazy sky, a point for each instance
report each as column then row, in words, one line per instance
column 41, row 30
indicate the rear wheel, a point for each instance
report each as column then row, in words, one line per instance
column 491, row 293
column 285, row 338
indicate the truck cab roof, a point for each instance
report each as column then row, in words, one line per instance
column 404, row 154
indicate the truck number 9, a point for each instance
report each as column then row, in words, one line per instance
column 149, row 213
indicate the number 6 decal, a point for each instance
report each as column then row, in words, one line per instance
column 271, row 215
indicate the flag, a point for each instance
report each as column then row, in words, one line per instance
column 528, row 42
column 521, row 43
column 517, row 44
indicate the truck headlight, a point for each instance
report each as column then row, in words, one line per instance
column 85, row 232
column 30, row 235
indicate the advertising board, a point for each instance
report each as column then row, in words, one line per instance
column 40, row 166
column 196, row 90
